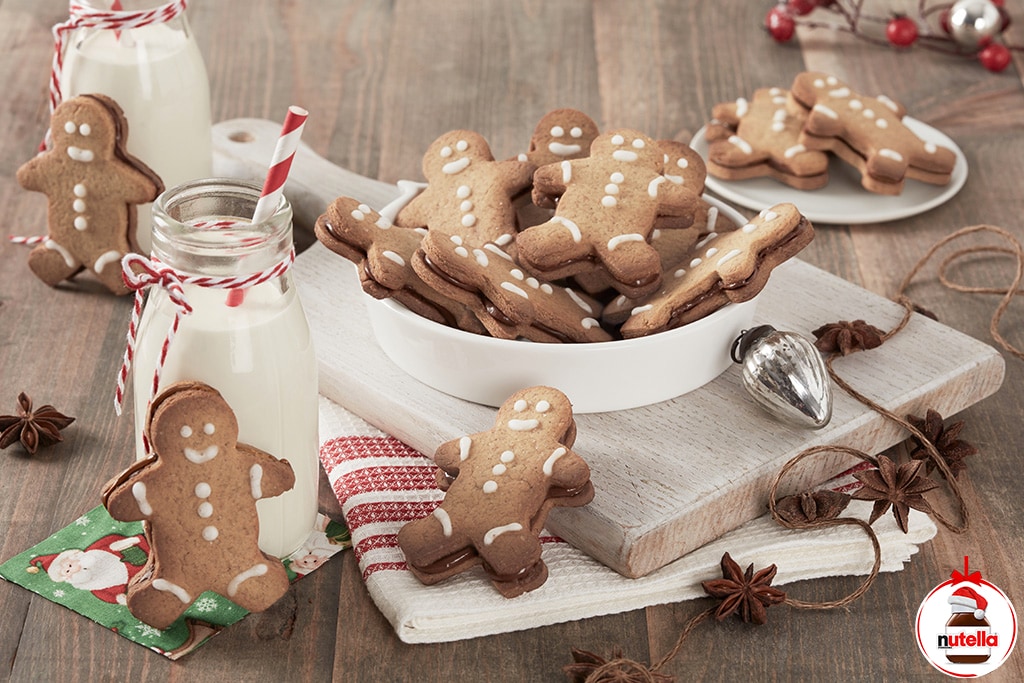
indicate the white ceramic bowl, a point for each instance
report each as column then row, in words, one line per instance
column 597, row 377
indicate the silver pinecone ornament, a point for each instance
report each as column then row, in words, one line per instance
column 785, row 375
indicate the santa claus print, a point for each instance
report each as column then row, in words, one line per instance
column 104, row 568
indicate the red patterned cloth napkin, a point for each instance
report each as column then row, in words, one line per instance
column 382, row 484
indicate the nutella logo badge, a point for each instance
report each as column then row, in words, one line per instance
column 966, row 626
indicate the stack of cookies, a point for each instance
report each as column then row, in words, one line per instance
column 586, row 237
column 789, row 135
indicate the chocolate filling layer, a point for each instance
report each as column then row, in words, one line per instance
column 408, row 291
column 678, row 313
column 492, row 309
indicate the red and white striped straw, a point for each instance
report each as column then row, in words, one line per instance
column 280, row 163
column 277, row 174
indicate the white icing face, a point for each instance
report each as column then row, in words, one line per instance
column 75, row 131
column 561, row 135
column 560, row 146
column 178, row 428
column 453, row 153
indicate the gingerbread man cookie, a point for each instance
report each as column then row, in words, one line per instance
column 673, row 236
column 761, row 137
column 560, row 135
column 868, row 133
column 93, row 186
column 684, row 167
column 507, row 301
column 726, row 267
column 383, row 254
column 673, row 247
column 503, row 484
column 468, row 193
column 608, row 205
column 197, row 495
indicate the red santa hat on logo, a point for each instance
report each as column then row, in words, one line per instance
column 966, row 600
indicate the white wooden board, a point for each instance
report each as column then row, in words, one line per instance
column 669, row 477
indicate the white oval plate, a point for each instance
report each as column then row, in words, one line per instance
column 844, row 201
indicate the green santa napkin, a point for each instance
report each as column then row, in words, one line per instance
column 86, row 566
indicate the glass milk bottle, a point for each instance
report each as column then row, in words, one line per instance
column 156, row 73
column 252, row 345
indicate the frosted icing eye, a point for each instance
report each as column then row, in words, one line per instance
column 186, row 431
column 69, row 127
column 446, row 152
column 557, row 132
column 462, row 145
column 576, row 132
column 85, row 129
column 208, row 428
column 683, row 163
column 638, row 144
column 618, row 140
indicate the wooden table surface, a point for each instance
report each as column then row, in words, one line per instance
column 381, row 80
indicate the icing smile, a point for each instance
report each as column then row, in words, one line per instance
column 564, row 150
column 79, row 154
column 205, row 455
column 457, row 166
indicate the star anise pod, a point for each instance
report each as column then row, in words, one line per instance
column 845, row 337
column 746, row 594
column 945, row 440
column 812, row 506
column 34, row 428
column 900, row 487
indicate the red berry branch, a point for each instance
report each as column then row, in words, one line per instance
column 965, row 28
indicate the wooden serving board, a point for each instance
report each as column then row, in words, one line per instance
column 669, row 477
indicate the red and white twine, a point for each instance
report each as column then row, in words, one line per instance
column 140, row 273
column 29, row 241
column 83, row 16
